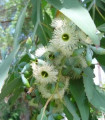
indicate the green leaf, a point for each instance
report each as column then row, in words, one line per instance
column 51, row 117
column 36, row 18
column 10, row 87
column 4, row 66
column 79, row 15
column 71, row 108
column 42, row 115
column 101, row 59
column 101, row 27
column 103, row 67
column 42, row 35
column 34, row 11
column 100, row 4
column 94, row 94
column 103, row 1
column 68, row 114
column 15, row 95
column 77, row 90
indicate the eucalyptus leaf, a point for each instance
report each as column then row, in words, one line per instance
column 100, row 4
column 101, row 27
column 5, row 65
column 94, row 94
column 10, row 87
column 68, row 114
column 77, row 90
column 71, row 108
column 42, row 115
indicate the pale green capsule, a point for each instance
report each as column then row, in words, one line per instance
column 99, row 50
column 26, row 67
column 25, row 81
column 89, row 54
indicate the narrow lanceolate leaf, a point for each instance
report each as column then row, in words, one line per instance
column 36, row 19
column 99, row 50
column 79, row 15
column 77, row 90
column 71, row 108
column 68, row 114
column 4, row 66
column 94, row 94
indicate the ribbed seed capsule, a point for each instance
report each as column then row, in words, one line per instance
column 99, row 50
column 89, row 55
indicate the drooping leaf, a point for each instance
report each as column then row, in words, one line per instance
column 79, row 15
column 4, row 66
column 42, row 35
column 94, row 94
column 77, row 90
column 34, row 11
column 35, row 17
column 37, row 20
column 71, row 108
column 68, row 114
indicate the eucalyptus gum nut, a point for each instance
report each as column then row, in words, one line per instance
column 78, row 51
column 99, row 50
column 89, row 55
column 26, row 67
column 27, row 74
column 25, row 81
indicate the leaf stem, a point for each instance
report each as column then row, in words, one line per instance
column 99, row 12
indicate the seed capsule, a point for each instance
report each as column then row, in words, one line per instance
column 89, row 55
column 99, row 50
